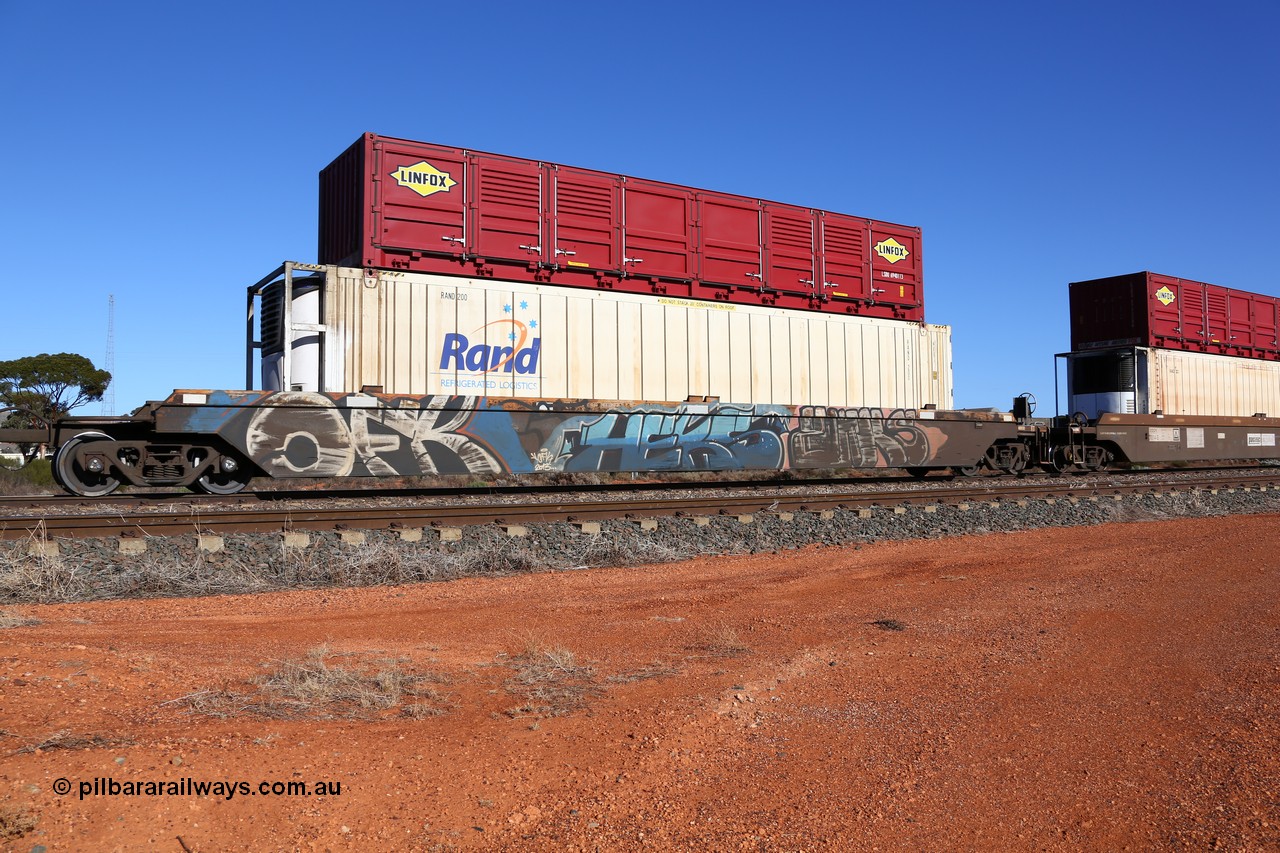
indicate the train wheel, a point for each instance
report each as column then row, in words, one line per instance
column 222, row 484
column 1059, row 463
column 918, row 473
column 222, row 481
column 1099, row 460
column 78, row 478
column 970, row 470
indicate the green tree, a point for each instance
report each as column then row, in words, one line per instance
column 49, row 386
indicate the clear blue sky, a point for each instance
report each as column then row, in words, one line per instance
column 167, row 152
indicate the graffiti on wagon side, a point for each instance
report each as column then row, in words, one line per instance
column 696, row 437
column 303, row 434
column 829, row 437
column 309, row 435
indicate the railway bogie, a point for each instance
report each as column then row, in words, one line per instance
column 94, row 462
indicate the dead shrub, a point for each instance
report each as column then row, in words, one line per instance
column 622, row 549
column 719, row 641
column 66, row 740
column 15, row 822
column 657, row 669
column 549, row 682
column 14, row 619
column 312, row 686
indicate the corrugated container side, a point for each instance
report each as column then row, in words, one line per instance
column 1153, row 310
column 1187, row 383
column 414, row 333
column 417, row 206
column 343, row 227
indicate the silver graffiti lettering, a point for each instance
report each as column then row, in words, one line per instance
column 860, row 438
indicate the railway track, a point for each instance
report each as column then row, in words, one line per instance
column 255, row 515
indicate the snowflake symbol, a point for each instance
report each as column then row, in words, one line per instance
column 506, row 309
column 524, row 306
column 511, row 336
column 533, row 324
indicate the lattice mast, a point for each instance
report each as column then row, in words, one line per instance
column 109, row 396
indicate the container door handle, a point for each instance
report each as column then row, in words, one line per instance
column 531, row 248
column 757, row 276
column 633, row 260
column 453, row 239
column 564, row 252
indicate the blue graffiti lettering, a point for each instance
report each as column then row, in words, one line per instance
column 725, row 438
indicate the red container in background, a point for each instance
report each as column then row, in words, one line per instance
column 395, row 204
column 1151, row 310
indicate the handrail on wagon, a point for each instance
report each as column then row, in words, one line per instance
column 253, row 292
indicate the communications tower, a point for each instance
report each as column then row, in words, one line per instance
column 109, row 395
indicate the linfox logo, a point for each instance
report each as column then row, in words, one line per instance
column 891, row 250
column 1165, row 295
column 424, row 179
column 460, row 354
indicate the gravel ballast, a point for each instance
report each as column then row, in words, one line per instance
column 96, row 569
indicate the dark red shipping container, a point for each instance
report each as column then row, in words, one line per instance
column 395, row 204
column 1151, row 310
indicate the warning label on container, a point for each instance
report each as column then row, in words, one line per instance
column 1165, row 295
column 1262, row 439
column 689, row 303
column 1164, row 434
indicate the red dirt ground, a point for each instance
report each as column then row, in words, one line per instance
column 1105, row 688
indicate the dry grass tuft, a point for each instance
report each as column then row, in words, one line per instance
column 15, row 823
column 889, row 625
column 624, row 549
column 657, row 669
column 720, row 641
column 66, row 740
column 550, row 682
column 13, row 619
column 314, row 687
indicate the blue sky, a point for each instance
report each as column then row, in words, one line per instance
column 167, row 153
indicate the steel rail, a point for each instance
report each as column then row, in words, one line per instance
column 120, row 501
column 266, row 519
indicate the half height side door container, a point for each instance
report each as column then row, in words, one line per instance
column 1151, row 310
column 414, row 206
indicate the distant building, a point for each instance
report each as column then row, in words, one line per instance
column 10, row 455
